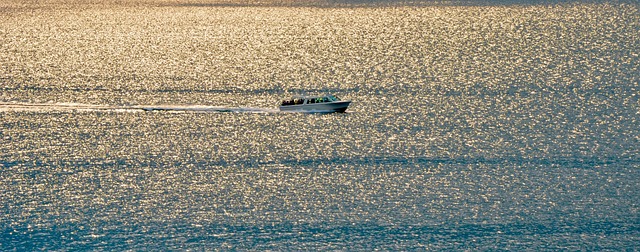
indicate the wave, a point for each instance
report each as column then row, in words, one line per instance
column 39, row 107
column 210, row 109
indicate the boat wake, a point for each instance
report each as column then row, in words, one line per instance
column 137, row 108
column 206, row 109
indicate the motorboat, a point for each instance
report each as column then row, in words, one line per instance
column 314, row 104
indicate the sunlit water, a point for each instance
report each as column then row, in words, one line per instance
column 472, row 127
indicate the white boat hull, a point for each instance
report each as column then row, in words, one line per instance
column 326, row 107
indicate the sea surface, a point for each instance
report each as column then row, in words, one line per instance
column 506, row 126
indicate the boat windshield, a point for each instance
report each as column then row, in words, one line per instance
column 333, row 98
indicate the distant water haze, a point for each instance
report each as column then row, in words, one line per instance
column 311, row 3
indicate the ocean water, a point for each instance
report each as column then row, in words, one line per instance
column 503, row 126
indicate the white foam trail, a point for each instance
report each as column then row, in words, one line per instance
column 209, row 109
column 90, row 107
column 52, row 106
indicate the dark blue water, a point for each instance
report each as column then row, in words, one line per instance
column 473, row 126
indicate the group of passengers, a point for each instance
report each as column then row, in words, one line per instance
column 292, row 102
column 309, row 101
